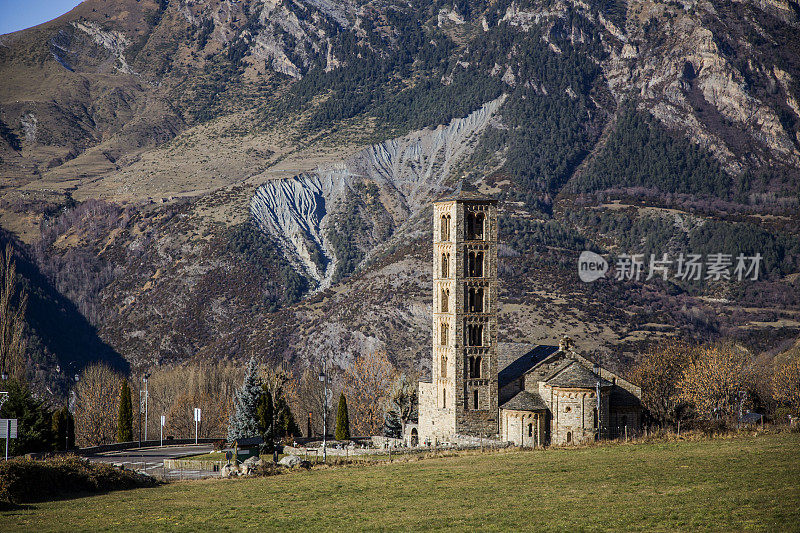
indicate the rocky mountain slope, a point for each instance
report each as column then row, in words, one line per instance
column 220, row 178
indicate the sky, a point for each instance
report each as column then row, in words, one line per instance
column 20, row 14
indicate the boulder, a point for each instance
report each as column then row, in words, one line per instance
column 253, row 462
column 290, row 461
column 229, row 470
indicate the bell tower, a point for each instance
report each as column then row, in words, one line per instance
column 462, row 396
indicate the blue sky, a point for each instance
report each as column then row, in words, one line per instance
column 20, row 14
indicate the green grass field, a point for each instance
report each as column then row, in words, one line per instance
column 745, row 483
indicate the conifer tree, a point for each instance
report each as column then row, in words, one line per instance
column 64, row 429
column 342, row 420
column 392, row 427
column 244, row 420
column 285, row 424
column 35, row 429
column 125, row 419
column 265, row 412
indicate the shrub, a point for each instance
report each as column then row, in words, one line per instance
column 26, row 480
column 125, row 419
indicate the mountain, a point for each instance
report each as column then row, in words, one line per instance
column 220, row 178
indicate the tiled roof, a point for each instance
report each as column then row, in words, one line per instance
column 525, row 401
column 514, row 359
column 467, row 192
column 577, row 376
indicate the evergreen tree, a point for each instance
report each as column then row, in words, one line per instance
column 285, row 424
column 342, row 420
column 64, row 429
column 125, row 419
column 34, row 421
column 392, row 426
column 265, row 413
column 244, row 420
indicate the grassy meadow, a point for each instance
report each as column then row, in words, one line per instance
column 743, row 483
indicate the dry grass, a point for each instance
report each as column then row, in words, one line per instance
column 743, row 483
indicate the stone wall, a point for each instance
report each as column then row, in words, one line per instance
column 523, row 428
column 573, row 414
column 435, row 424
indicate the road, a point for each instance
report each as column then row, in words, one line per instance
column 151, row 460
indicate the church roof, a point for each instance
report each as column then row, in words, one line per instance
column 517, row 358
column 465, row 192
column 577, row 376
column 525, row 401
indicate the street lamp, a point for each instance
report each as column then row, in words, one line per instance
column 70, row 409
column 324, row 379
column 144, row 378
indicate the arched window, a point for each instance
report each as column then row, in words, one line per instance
column 530, row 430
column 445, row 228
column 445, row 265
column 594, row 417
column 569, row 437
column 444, row 398
column 475, row 399
column 474, row 335
column 474, row 264
column 443, row 372
column 475, row 300
column 475, row 367
column 445, row 302
column 445, row 332
column 475, row 225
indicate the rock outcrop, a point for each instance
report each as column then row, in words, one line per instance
column 408, row 171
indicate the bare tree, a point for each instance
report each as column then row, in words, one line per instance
column 659, row 371
column 96, row 405
column 786, row 383
column 367, row 385
column 13, row 303
column 714, row 381
column 403, row 399
column 176, row 391
column 305, row 395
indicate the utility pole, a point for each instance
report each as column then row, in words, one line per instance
column 323, row 377
column 599, row 417
column 144, row 378
column 139, row 410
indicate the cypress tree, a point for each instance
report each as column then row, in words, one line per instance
column 64, row 429
column 265, row 414
column 342, row 420
column 125, row 419
column 285, row 424
column 244, row 420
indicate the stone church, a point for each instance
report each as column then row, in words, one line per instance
column 522, row 393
